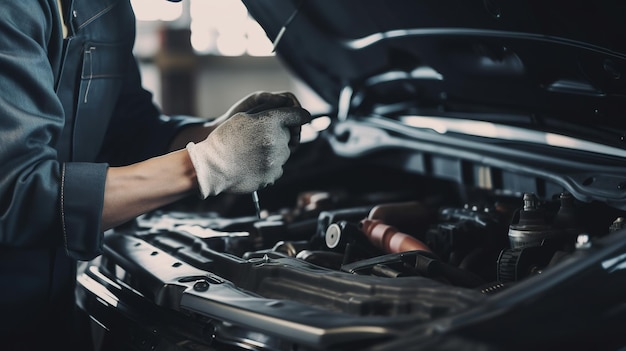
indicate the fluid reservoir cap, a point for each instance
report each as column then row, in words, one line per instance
column 333, row 235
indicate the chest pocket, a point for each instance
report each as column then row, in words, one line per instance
column 101, row 77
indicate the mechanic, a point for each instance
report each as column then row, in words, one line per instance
column 84, row 149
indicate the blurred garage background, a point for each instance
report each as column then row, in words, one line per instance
column 198, row 57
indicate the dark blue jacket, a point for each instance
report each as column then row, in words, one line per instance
column 69, row 108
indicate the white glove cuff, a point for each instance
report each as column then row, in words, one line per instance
column 202, row 170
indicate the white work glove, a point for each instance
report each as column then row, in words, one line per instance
column 257, row 100
column 247, row 151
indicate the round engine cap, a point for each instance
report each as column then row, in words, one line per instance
column 333, row 235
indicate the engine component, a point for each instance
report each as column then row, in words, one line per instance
column 531, row 227
column 326, row 218
column 470, row 237
column 411, row 263
column 567, row 220
column 389, row 238
column 348, row 238
column 583, row 242
column 338, row 233
column 408, row 217
column 311, row 203
column 618, row 224
column 327, row 259
column 519, row 263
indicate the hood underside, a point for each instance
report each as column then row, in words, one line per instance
column 562, row 61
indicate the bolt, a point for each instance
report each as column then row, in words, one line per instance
column 530, row 202
column 201, row 286
column 583, row 241
column 618, row 224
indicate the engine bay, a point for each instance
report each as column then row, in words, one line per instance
column 469, row 245
column 352, row 251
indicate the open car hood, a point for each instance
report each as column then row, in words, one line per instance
column 468, row 191
column 554, row 65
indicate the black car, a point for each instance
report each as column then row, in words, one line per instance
column 466, row 190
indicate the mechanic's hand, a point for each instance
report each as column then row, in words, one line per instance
column 260, row 100
column 247, row 151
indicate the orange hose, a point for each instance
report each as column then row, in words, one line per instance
column 389, row 238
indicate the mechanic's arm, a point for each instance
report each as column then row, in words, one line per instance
column 245, row 151
column 135, row 189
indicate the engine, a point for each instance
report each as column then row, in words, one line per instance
column 484, row 246
column 360, row 243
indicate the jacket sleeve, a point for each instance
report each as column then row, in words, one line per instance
column 38, row 195
column 138, row 130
